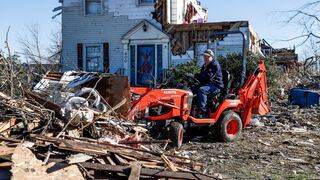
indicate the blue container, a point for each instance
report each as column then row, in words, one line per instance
column 304, row 97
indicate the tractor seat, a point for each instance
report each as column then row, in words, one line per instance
column 216, row 99
column 226, row 79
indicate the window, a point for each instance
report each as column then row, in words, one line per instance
column 146, row 2
column 94, row 60
column 93, row 6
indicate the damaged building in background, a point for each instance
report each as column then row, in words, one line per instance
column 143, row 38
column 285, row 58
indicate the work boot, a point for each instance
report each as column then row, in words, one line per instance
column 202, row 115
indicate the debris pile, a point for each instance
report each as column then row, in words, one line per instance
column 284, row 144
column 67, row 127
column 292, row 117
column 296, row 79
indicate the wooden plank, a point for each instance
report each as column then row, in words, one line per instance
column 146, row 172
column 10, row 140
column 5, row 158
column 5, row 165
column 152, row 163
column 110, row 160
column 120, row 160
column 169, row 163
column 146, row 142
column 135, row 171
column 87, row 147
column 7, row 124
column 129, row 151
column 6, row 150
column 151, row 166
column 128, row 157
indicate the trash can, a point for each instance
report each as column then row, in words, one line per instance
column 304, row 97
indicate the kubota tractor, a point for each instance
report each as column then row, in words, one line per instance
column 174, row 108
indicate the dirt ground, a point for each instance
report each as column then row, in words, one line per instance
column 283, row 145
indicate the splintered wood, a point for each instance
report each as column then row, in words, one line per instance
column 35, row 143
column 93, row 158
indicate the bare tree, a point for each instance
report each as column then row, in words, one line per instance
column 8, row 62
column 31, row 45
column 12, row 74
column 311, row 56
column 308, row 18
column 54, row 50
column 39, row 58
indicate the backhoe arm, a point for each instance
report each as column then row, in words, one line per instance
column 254, row 94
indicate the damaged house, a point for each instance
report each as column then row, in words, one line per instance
column 142, row 38
column 119, row 36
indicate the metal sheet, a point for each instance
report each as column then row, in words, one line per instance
column 114, row 89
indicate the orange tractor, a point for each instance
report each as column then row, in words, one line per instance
column 173, row 109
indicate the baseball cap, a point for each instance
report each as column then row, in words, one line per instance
column 208, row 52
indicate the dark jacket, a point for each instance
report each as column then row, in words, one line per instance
column 211, row 74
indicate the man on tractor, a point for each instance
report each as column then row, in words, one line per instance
column 210, row 78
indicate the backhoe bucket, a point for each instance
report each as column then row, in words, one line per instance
column 260, row 107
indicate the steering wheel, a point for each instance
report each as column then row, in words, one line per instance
column 190, row 78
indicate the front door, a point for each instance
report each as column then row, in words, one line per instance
column 146, row 64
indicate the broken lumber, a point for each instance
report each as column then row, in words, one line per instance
column 105, row 149
column 169, row 163
column 146, row 172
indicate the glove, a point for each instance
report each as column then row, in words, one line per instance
column 190, row 75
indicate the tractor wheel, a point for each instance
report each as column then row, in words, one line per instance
column 176, row 134
column 229, row 126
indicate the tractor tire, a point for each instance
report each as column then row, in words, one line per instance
column 176, row 134
column 229, row 127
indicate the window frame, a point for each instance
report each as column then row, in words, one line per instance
column 140, row 3
column 92, row 14
column 85, row 56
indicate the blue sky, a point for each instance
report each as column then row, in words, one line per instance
column 262, row 15
column 19, row 13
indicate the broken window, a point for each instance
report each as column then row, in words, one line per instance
column 94, row 58
column 93, row 6
column 147, row 2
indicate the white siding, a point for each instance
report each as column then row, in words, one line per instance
column 77, row 28
column 129, row 8
column 117, row 18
